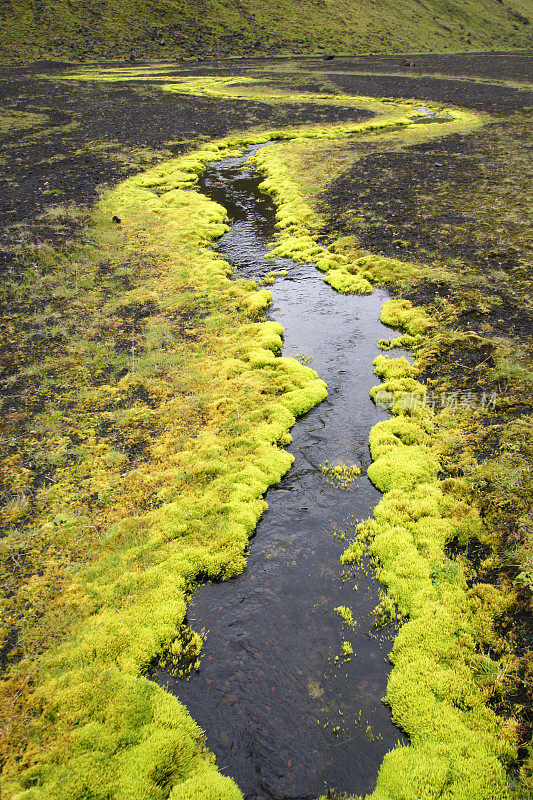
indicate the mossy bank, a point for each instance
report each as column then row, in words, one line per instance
column 135, row 539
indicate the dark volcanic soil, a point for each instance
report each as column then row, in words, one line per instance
column 497, row 65
column 106, row 121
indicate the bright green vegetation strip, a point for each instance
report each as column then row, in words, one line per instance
column 236, row 87
column 347, row 269
column 440, row 684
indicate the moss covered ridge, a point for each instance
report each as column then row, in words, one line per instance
column 459, row 747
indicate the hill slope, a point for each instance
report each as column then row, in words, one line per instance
column 66, row 29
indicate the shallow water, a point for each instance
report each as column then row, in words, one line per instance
column 268, row 692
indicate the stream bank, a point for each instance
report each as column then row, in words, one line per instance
column 269, row 692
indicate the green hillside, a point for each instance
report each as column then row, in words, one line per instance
column 66, row 29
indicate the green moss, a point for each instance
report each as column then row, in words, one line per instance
column 346, row 271
column 346, row 615
column 108, row 731
column 402, row 314
column 459, row 747
column 347, row 651
column 12, row 121
column 341, row 476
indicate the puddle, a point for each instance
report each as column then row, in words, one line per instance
column 425, row 115
column 269, row 693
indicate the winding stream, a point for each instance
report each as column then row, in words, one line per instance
column 269, row 692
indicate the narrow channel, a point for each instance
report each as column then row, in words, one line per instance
column 269, row 693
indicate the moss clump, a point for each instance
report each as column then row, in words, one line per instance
column 347, row 651
column 341, row 476
column 402, row 314
column 459, row 747
column 346, row 615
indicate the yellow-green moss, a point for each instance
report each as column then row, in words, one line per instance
column 459, row 747
column 347, row 651
column 346, row 268
column 342, row 475
column 346, row 615
column 402, row 314
column 109, row 731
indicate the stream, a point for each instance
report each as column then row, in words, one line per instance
column 269, row 693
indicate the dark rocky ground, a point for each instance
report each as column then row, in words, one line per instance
column 94, row 132
column 495, row 65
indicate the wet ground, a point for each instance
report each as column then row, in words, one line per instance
column 269, row 692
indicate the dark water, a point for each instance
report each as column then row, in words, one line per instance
column 268, row 683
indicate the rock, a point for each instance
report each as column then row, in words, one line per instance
column 328, row 57
column 407, row 63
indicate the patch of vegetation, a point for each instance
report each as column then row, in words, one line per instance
column 347, row 267
column 346, row 615
column 458, row 743
column 342, row 476
column 13, row 121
